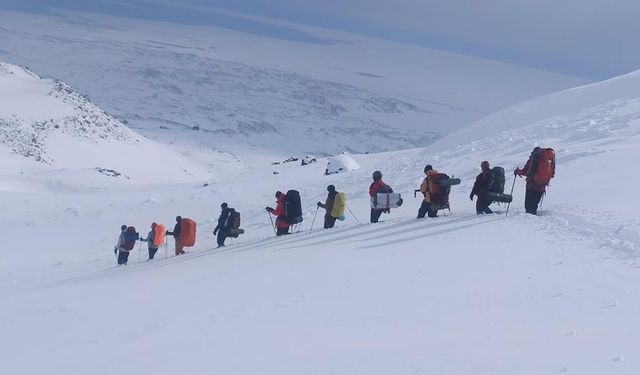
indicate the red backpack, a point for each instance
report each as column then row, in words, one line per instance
column 130, row 238
column 543, row 167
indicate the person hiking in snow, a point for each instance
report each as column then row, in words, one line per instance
column 176, row 236
column 118, row 249
column 425, row 207
column 481, row 188
column 279, row 212
column 378, row 186
column 126, row 242
column 539, row 170
column 153, row 249
column 329, row 221
column 222, row 231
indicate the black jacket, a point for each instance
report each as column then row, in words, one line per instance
column 176, row 231
column 328, row 204
column 482, row 183
column 222, row 220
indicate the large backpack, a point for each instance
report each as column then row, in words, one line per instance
column 385, row 189
column 188, row 232
column 496, row 180
column 439, row 189
column 293, row 207
column 543, row 166
column 233, row 221
column 130, row 238
column 339, row 205
column 159, row 235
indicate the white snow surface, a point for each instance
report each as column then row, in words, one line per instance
column 341, row 163
column 458, row 294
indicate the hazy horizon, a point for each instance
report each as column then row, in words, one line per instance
column 592, row 39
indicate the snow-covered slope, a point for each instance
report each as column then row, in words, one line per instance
column 459, row 294
column 49, row 123
column 237, row 91
column 552, row 109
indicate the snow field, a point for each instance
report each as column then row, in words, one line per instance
column 458, row 294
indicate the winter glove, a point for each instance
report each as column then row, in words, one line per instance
column 115, row 250
column 319, row 204
column 471, row 196
column 215, row 232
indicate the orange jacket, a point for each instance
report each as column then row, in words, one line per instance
column 425, row 187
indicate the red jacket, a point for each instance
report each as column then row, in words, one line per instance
column 279, row 212
column 375, row 187
column 531, row 184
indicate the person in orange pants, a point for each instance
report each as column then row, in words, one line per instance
column 176, row 236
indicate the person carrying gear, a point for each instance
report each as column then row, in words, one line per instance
column 539, row 170
column 425, row 207
column 378, row 186
column 480, row 188
column 118, row 249
column 221, row 230
column 177, row 229
column 282, row 225
column 153, row 249
column 329, row 221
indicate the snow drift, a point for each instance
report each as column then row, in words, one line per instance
column 51, row 124
column 341, row 163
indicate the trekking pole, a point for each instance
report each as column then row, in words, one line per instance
column 139, row 250
column 166, row 246
column 354, row 215
column 314, row 219
column 512, row 186
column 272, row 224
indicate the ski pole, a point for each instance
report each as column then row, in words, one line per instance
column 139, row 250
column 166, row 245
column 272, row 224
column 314, row 219
column 354, row 215
column 512, row 186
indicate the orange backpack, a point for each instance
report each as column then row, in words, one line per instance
column 188, row 232
column 544, row 166
column 159, row 233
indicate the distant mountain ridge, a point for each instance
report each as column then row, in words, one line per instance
column 241, row 92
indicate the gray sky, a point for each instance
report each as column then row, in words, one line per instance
column 589, row 38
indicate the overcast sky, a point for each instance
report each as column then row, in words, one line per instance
column 589, row 38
